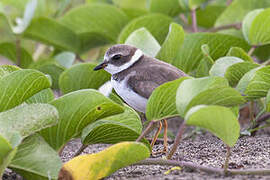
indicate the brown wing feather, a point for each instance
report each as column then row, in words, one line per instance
column 152, row 77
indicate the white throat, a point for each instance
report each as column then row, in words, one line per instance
column 112, row 69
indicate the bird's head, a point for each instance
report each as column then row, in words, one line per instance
column 119, row 57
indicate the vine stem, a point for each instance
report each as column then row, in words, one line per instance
column 82, row 148
column 228, row 26
column 18, row 50
column 251, row 111
column 194, row 20
column 190, row 165
column 78, row 57
column 226, row 164
column 252, row 49
column 177, row 139
column 146, row 131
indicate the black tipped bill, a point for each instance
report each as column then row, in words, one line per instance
column 100, row 66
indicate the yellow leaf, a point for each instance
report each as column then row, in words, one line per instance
column 104, row 163
column 173, row 168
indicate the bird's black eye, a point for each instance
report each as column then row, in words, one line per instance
column 117, row 56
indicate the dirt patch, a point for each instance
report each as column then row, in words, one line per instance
column 204, row 149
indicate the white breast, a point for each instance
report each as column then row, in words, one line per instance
column 130, row 97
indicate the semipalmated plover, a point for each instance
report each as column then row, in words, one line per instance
column 135, row 75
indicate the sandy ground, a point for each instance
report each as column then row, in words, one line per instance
column 204, row 149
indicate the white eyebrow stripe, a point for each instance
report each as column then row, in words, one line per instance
column 115, row 69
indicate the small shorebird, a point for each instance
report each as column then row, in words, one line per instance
column 135, row 76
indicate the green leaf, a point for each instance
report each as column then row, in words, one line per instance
column 7, row 69
column 211, row 90
column 172, row 44
column 247, row 22
column 6, row 31
column 106, row 162
column 170, row 8
column 9, row 50
column 238, row 9
column 256, row 83
column 43, row 96
column 126, row 126
column 190, row 55
column 50, row 67
column 206, row 62
column 82, row 76
column 57, row 35
column 258, row 33
column 29, row 12
column 206, row 17
column 35, row 159
column 20, row 85
column 235, row 72
column 222, row 64
column 134, row 13
column 135, row 4
column 65, row 59
column 143, row 39
column 27, row 119
column 240, row 53
column 76, row 111
column 267, row 101
column 161, row 103
column 104, row 19
column 6, row 155
column 156, row 24
column 220, row 121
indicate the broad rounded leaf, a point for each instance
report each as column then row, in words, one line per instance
column 10, row 52
column 260, row 27
column 56, row 35
column 240, row 53
column 156, row 24
column 28, row 119
column 100, row 18
column 7, row 69
column 126, row 126
column 35, row 159
column 6, row 32
column 268, row 101
column 144, row 40
column 222, row 64
column 172, row 43
column 76, row 111
column 190, row 54
column 220, row 121
column 190, row 88
column 82, row 76
column 104, row 163
column 20, row 85
column 65, row 59
column 161, row 103
column 50, row 67
column 135, row 4
column 256, row 83
column 248, row 21
column 170, row 8
column 43, row 96
column 238, row 9
column 236, row 71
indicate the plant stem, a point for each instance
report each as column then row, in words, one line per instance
column 164, row 162
column 228, row 2
column 82, row 148
column 161, row 140
column 18, row 50
column 146, row 131
column 226, row 164
column 228, row 26
column 194, row 20
column 251, row 111
column 78, row 57
column 252, row 49
column 183, row 18
column 177, row 139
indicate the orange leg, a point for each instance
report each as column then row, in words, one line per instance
column 156, row 135
column 165, row 136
